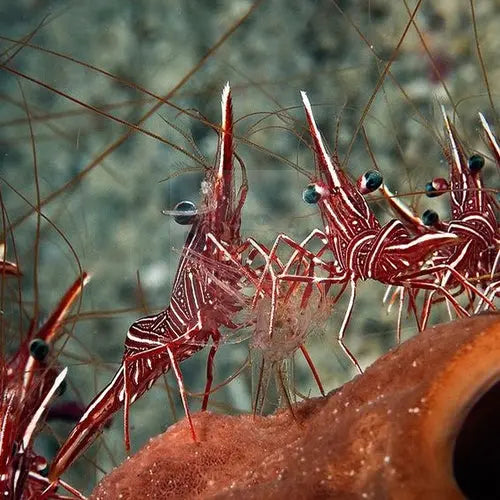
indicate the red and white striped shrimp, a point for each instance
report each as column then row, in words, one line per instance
column 29, row 381
column 362, row 249
column 473, row 213
column 201, row 302
column 473, row 219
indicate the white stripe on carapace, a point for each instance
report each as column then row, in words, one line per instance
column 177, row 311
column 187, row 287
column 395, row 224
column 455, row 263
column 423, row 239
column 147, row 319
column 160, row 322
column 180, row 307
column 334, row 216
column 317, row 138
column 388, row 262
column 347, row 201
column 353, row 249
column 193, row 288
column 481, row 220
column 142, row 340
column 467, row 229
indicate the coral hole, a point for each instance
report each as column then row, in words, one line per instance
column 476, row 458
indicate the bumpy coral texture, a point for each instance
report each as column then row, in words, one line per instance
column 383, row 435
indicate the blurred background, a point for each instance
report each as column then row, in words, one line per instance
column 111, row 215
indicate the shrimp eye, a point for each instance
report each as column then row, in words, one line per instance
column 476, row 163
column 370, row 181
column 39, row 349
column 310, row 194
column 430, row 191
column 430, row 218
column 189, row 208
column 436, row 187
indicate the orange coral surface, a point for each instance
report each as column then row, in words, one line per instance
column 389, row 433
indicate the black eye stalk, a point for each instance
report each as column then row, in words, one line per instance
column 436, row 187
column 430, row 218
column 430, row 191
column 39, row 349
column 310, row 194
column 475, row 163
column 370, row 181
column 188, row 215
